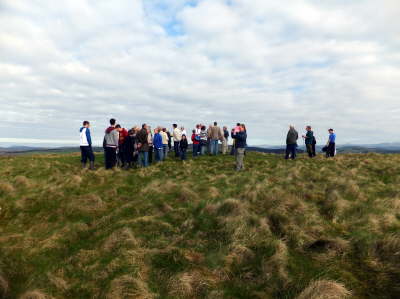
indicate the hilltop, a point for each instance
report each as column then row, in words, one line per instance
column 280, row 229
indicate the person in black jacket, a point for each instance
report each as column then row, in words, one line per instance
column 183, row 145
column 130, row 148
column 240, row 145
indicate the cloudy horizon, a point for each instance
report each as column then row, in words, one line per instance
column 327, row 64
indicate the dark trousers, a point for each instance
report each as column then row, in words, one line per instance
column 87, row 153
column 121, row 158
column 330, row 151
column 176, row 149
column 310, row 150
column 313, row 150
column 110, row 157
column 291, row 151
column 183, row 154
column 196, row 148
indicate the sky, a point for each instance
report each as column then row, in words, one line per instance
column 333, row 63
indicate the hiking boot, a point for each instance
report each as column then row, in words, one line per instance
column 83, row 165
column 91, row 167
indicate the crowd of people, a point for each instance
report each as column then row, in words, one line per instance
column 310, row 142
column 143, row 146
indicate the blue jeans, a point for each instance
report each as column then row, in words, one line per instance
column 165, row 151
column 203, row 148
column 195, row 149
column 144, row 159
column 159, row 153
column 183, row 154
column 214, row 146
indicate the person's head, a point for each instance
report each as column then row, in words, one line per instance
column 242, row 128
column 155, row 130
column 183, row 137
column 112, row 122
column 308, row 128
column 330, row 131
column 164, row 130
column 86, row 124
column 131, row 132
column 198, row 126
column 225, row 128
column 203, row 127
column 194, row 131
column 182, row 128
column 215, row 123
column 237, row 124
column 291, row 127
column 118, row 127
column 174, row 126
column 144, row 126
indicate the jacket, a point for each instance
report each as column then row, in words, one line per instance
column 142, row 139
column 240, row 139
column 215, row 133
column 164, row 137
column 194, row 139
column 122, row 135
column 309, row 137
column 183, row 144
column 292, row 137
column 85, row 139
column 158, row 141
column 111, row 137
column 177, row 134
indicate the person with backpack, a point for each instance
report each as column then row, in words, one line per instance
column 158, row 145
column 183, row 146
column 240, row 145
column 110, row 145
column 196, row 143
column 291, row 143
column 143, row 146
column 331, row 144
column 309, row 140
column 86, row 145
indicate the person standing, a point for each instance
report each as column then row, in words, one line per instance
column 225, row 140
column 169, row 140
column 158, row 145
column 215, row 136
column 123, row 133
column 291, row 143
column 143, row 146
column 331, row 145
column 240, row 146
column 196, row 143
column 129, row 148
column 165, row 140
column 309, row 139
column 203, row 140
column 177, row 135
column 110, row 144
column 183, row 146
column 150, row 142
column 86, row 145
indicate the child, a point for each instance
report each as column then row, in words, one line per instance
column 183, row 145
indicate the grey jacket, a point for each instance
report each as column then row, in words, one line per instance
column 292, row 137
column 111, row 137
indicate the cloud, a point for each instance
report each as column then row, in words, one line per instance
column 328, row 64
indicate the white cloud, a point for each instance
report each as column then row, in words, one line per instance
column 329, row 64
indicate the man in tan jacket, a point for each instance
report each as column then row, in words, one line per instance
column 215, row 136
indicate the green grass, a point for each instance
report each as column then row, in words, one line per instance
column 198, row 229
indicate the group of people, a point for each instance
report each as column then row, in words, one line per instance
column 310, row 142
column 140, row 146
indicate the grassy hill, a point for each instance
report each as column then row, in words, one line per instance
column 281, row 229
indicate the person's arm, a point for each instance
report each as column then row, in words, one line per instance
column 89, row 139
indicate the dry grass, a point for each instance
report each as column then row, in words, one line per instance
column 6, row 188
column 3, row 286
column 127, row 287
column 36, row 294
column 325, row 289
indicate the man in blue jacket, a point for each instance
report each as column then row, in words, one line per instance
column 240, row 145
column 158, row 145
column 331, row 145
column 86, row 145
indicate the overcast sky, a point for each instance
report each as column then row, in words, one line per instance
column 266, row 63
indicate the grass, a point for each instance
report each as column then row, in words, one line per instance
column 281, row 229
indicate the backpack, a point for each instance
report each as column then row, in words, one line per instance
column 314, row 141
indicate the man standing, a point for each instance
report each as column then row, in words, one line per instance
column 291, row 143
column 165, row 139
column 225, row 140
column 143, row 146
column 123, row 134
column 110, row 144
column 309, row 140
column 240, row 146
column 215, row 136
column 331, row 145
column 177, row 135
column 86, row 145
column 158, row 145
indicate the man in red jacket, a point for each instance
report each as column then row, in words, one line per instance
column 123, row 133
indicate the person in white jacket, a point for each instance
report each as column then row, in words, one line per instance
column 177, row 136
column 86, row 145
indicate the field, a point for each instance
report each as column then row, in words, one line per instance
column 281, row 229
